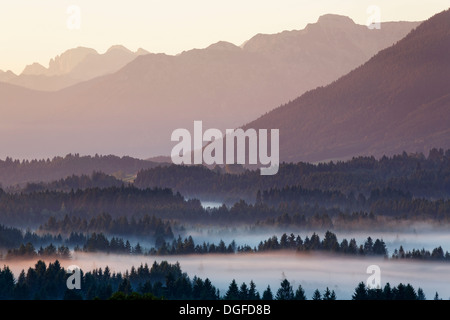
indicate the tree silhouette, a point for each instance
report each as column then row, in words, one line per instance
column 420, row 294
column 267, row 294
column 285, row 292
column 253, row 294
column 316, row 295
column 243, row 292
column 233, row 291
column 360, row 292
column 300, row 294
column 329, row 295
column 125, row 287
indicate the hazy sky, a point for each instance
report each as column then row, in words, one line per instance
column 37, row 30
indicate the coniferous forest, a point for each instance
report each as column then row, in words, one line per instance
column 157, row 215
column 266, row 151
column 167, row 281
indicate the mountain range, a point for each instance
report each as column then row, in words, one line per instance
column 133, row 110
column 15, row 174
column 71, row 67
column 398, row 100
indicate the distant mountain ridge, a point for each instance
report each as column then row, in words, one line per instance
column 19, row 173
column 134, row 110
column 71, row 67
column 398, row 100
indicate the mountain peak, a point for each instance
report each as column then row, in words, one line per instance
column 334, row 19
column 223, row 46
column 118, row 48
column 6, row 76
column 398, row 100
column 68, row 60
column 78, row 51
column 34, row 69
column 141, row 52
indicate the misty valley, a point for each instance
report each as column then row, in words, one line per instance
column 309, row 164
column 375, row 212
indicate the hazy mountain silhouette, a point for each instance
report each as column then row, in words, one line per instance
column 398, row 100
column 71, row 67
column 6, row 76
column 134, row 111
column 15, row 172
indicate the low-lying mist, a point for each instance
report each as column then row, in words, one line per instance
column 415, row 238
column 312, row 271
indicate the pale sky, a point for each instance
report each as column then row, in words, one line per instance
column 37, row 30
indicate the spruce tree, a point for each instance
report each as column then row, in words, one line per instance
column 300, row 294
column 360, row 292
column 233, row 291
column 267, row 294
column 285, row 292
column 316, row 295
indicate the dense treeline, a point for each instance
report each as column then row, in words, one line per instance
column 329, row 244
column 10, row 237
column 437, row 254
column 131, row 211
column 414, row 173
column 29, row 252
column 301, row 196
column 13, row 237
column 26, row 209
column 49, row 282
column 168, row 282
column 287, row 242
column 348, row 194
column 386, row 202
column 401, row 292
column 392, row 216
column 80, row 242
column 146, row 227
column 313, row 216
column 287, row 292
column 188, row 246
column 73, row 182
column 100, row 243
column 15, row 172
column 38, row 208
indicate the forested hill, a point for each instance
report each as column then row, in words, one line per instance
column 28, row 209
column 398, row 100
column 422, row 176
column 73, row 182
column 15, row 172
column 323, row 195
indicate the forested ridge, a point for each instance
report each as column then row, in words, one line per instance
column 99, row 242
column 25, row 209
column 397, row 100
column 358, row 193
column 167, row 281
column 73, row 182
column 20, row 172
column 118, row 209
column 416, row 174
column 147, row 227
